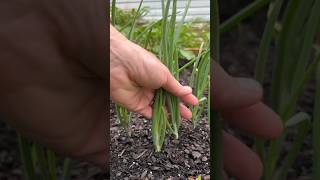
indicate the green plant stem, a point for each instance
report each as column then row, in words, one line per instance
column 303, row 127
column 134, row 21
column 25, row 151
column 113, row 12
column 275, row 146
column 216, row 153
column 41, row 159
column 52, row 165
column 241, row 15
column 316, row 129
column 299, row 88
column 66, row 169
column 262, row 58
column 188, row 64
column 146, row 30
column 266, row 42
column 307, row 45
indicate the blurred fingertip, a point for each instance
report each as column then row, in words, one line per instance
column 278, row 129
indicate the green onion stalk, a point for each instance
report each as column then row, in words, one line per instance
column 166, row 114
column 216, row 124
column 200, row 83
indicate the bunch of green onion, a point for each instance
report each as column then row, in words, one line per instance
column 166, row 114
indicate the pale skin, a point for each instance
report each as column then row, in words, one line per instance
column 65, row 109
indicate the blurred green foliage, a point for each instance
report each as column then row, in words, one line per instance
column 192, row 34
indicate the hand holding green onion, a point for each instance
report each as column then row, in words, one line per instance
column 135, row 74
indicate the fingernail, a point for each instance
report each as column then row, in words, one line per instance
column 196, row 101
column 250, row 85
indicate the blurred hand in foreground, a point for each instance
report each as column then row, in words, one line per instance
column 239, row 101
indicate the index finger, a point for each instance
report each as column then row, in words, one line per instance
column 257, row 119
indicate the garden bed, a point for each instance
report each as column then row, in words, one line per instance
column 135, row 158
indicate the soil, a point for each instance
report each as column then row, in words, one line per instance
column 133, row 157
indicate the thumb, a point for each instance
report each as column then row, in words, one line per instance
column 151, row 73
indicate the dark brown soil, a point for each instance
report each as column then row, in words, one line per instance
column 134, row 157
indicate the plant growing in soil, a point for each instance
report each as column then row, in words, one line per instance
column 199, row 80
column 166, row 116
column 123, row 114
column 40, row 162
column 293, row 34
column 216, row 124
column 316, row 127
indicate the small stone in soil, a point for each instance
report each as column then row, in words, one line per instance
column 175, row 141
column 143, row 175
column 204, row 159
column 155, row 168
column 196, row 154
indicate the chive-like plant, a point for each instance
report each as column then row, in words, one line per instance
column 124, row 116
column 216, row 146
column 293, row 34
column 315, row 130
column 40, row 162
column 199, row 80
column 166, row 116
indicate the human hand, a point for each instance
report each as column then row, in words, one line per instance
column 135, row 74
column 239, row 101
column 52, row 97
